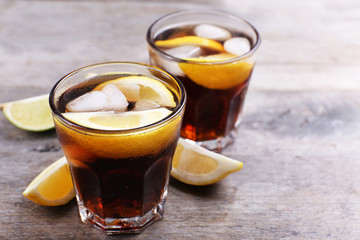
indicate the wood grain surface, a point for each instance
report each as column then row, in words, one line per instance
column 299, row 138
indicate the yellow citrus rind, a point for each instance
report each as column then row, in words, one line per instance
column 141, row 87
column 119, row 145
column 190, row 40
column 53, row 186
column 218, row 75
column 198, row 166
column 117, row 121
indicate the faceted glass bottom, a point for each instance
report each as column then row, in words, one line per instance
column 124, row 225
column 218, row 144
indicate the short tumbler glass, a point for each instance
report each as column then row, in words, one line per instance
column 120, row 176
column 216, row 80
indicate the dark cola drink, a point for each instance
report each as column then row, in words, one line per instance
column 212, row 53
column 119, row 132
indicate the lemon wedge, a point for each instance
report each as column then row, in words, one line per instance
column 117, row 121
column 217, row 76
column 53, row 186
column 198, row 166
column 140, row 87
column 190, row 40
column 31, row 114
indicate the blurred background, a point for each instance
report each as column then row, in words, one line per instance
column 308, row 44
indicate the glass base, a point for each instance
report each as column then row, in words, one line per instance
column 124, row 225
column 218, row 144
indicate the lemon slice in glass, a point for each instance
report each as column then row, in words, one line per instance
column 190, row 40
column 140, row 87
column 218, row 75
column 117, row 121
column 31, row 114
column 53, row 186
column 198, row 166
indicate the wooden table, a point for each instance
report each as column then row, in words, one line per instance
column 299, row 139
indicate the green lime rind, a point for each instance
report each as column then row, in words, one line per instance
column 30, row 114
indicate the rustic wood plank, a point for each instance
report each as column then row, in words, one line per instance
column 299, row 167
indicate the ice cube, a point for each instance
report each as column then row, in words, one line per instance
column 186, row 51
column 110, row 98
column 89, row 102
column 237, row 46
column 144, row 104
column 171, row 67
column 116, row 99
column 131, row 91
column 212, row 32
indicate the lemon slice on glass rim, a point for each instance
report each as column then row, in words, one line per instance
column 31, row 114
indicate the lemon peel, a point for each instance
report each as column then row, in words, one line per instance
column 198, row 166
column 117, row 121
column 53, row 186
column 141, row 87
column 219, row 75
column 190, row 40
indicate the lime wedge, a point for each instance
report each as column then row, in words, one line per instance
column 31, row 114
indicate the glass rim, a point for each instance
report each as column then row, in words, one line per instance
column 252, row 51
column 78, row 127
